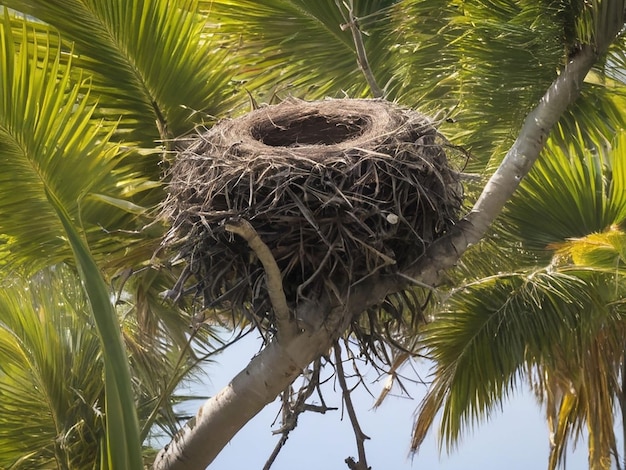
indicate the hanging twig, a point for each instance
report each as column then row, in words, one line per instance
column 347, row 399
column 352, row 24
column 285, row 325
column 276, row 451
column 285, row 398
column 291, row 412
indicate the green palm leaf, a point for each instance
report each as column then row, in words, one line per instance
column 123, row 442
column 602, row 251
column 51, row 390
column 50, row 141
column 486, row 335
column 585, row 380
column 298, row 47
column 595, row 118
column 578, row 191
column 51, row 376
column 561, row 327
column 149, row 61
column 485, row 62
column 46, row 131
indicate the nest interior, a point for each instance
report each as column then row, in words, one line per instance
column 337, row 189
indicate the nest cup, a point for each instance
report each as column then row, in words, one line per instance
column 339, row 190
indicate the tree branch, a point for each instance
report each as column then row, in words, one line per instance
column 271, row 371
column 446, row 251
column 285, row 325
column 224, row 414
column 359, row 435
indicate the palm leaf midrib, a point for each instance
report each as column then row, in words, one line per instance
column 342, row 39
column 111, row 49
column 132, row 69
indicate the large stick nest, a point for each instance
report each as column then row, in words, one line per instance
column 337, row 189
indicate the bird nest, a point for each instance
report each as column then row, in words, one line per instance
column 338, row 190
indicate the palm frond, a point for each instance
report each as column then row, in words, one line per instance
column 614, row 67
column 149, row 62
column 579, row 191
column 586, row 382
column 46, row 121
column 482, row 340
column 45, row 131
column 485, row 62
column 50, row 143
column 595, row 118
column 602, row 251
column 51, row 377
column 51, row 389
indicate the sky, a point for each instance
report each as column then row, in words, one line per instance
column 514, row 439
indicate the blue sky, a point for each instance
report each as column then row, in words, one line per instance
column 514, row 439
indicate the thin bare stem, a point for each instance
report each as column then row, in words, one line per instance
column 359, row 435
column 292, row 411
column 285, row 325
column 276, row 451
column 285, row 397
column 352, row 24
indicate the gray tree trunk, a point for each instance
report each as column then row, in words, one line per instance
column 280, row 363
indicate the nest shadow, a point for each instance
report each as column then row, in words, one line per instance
column 338, row 190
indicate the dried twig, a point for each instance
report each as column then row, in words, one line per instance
column 359, row 435
column 276, row 451
column 292, row 411
column 285, row 325
column 285, row 434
